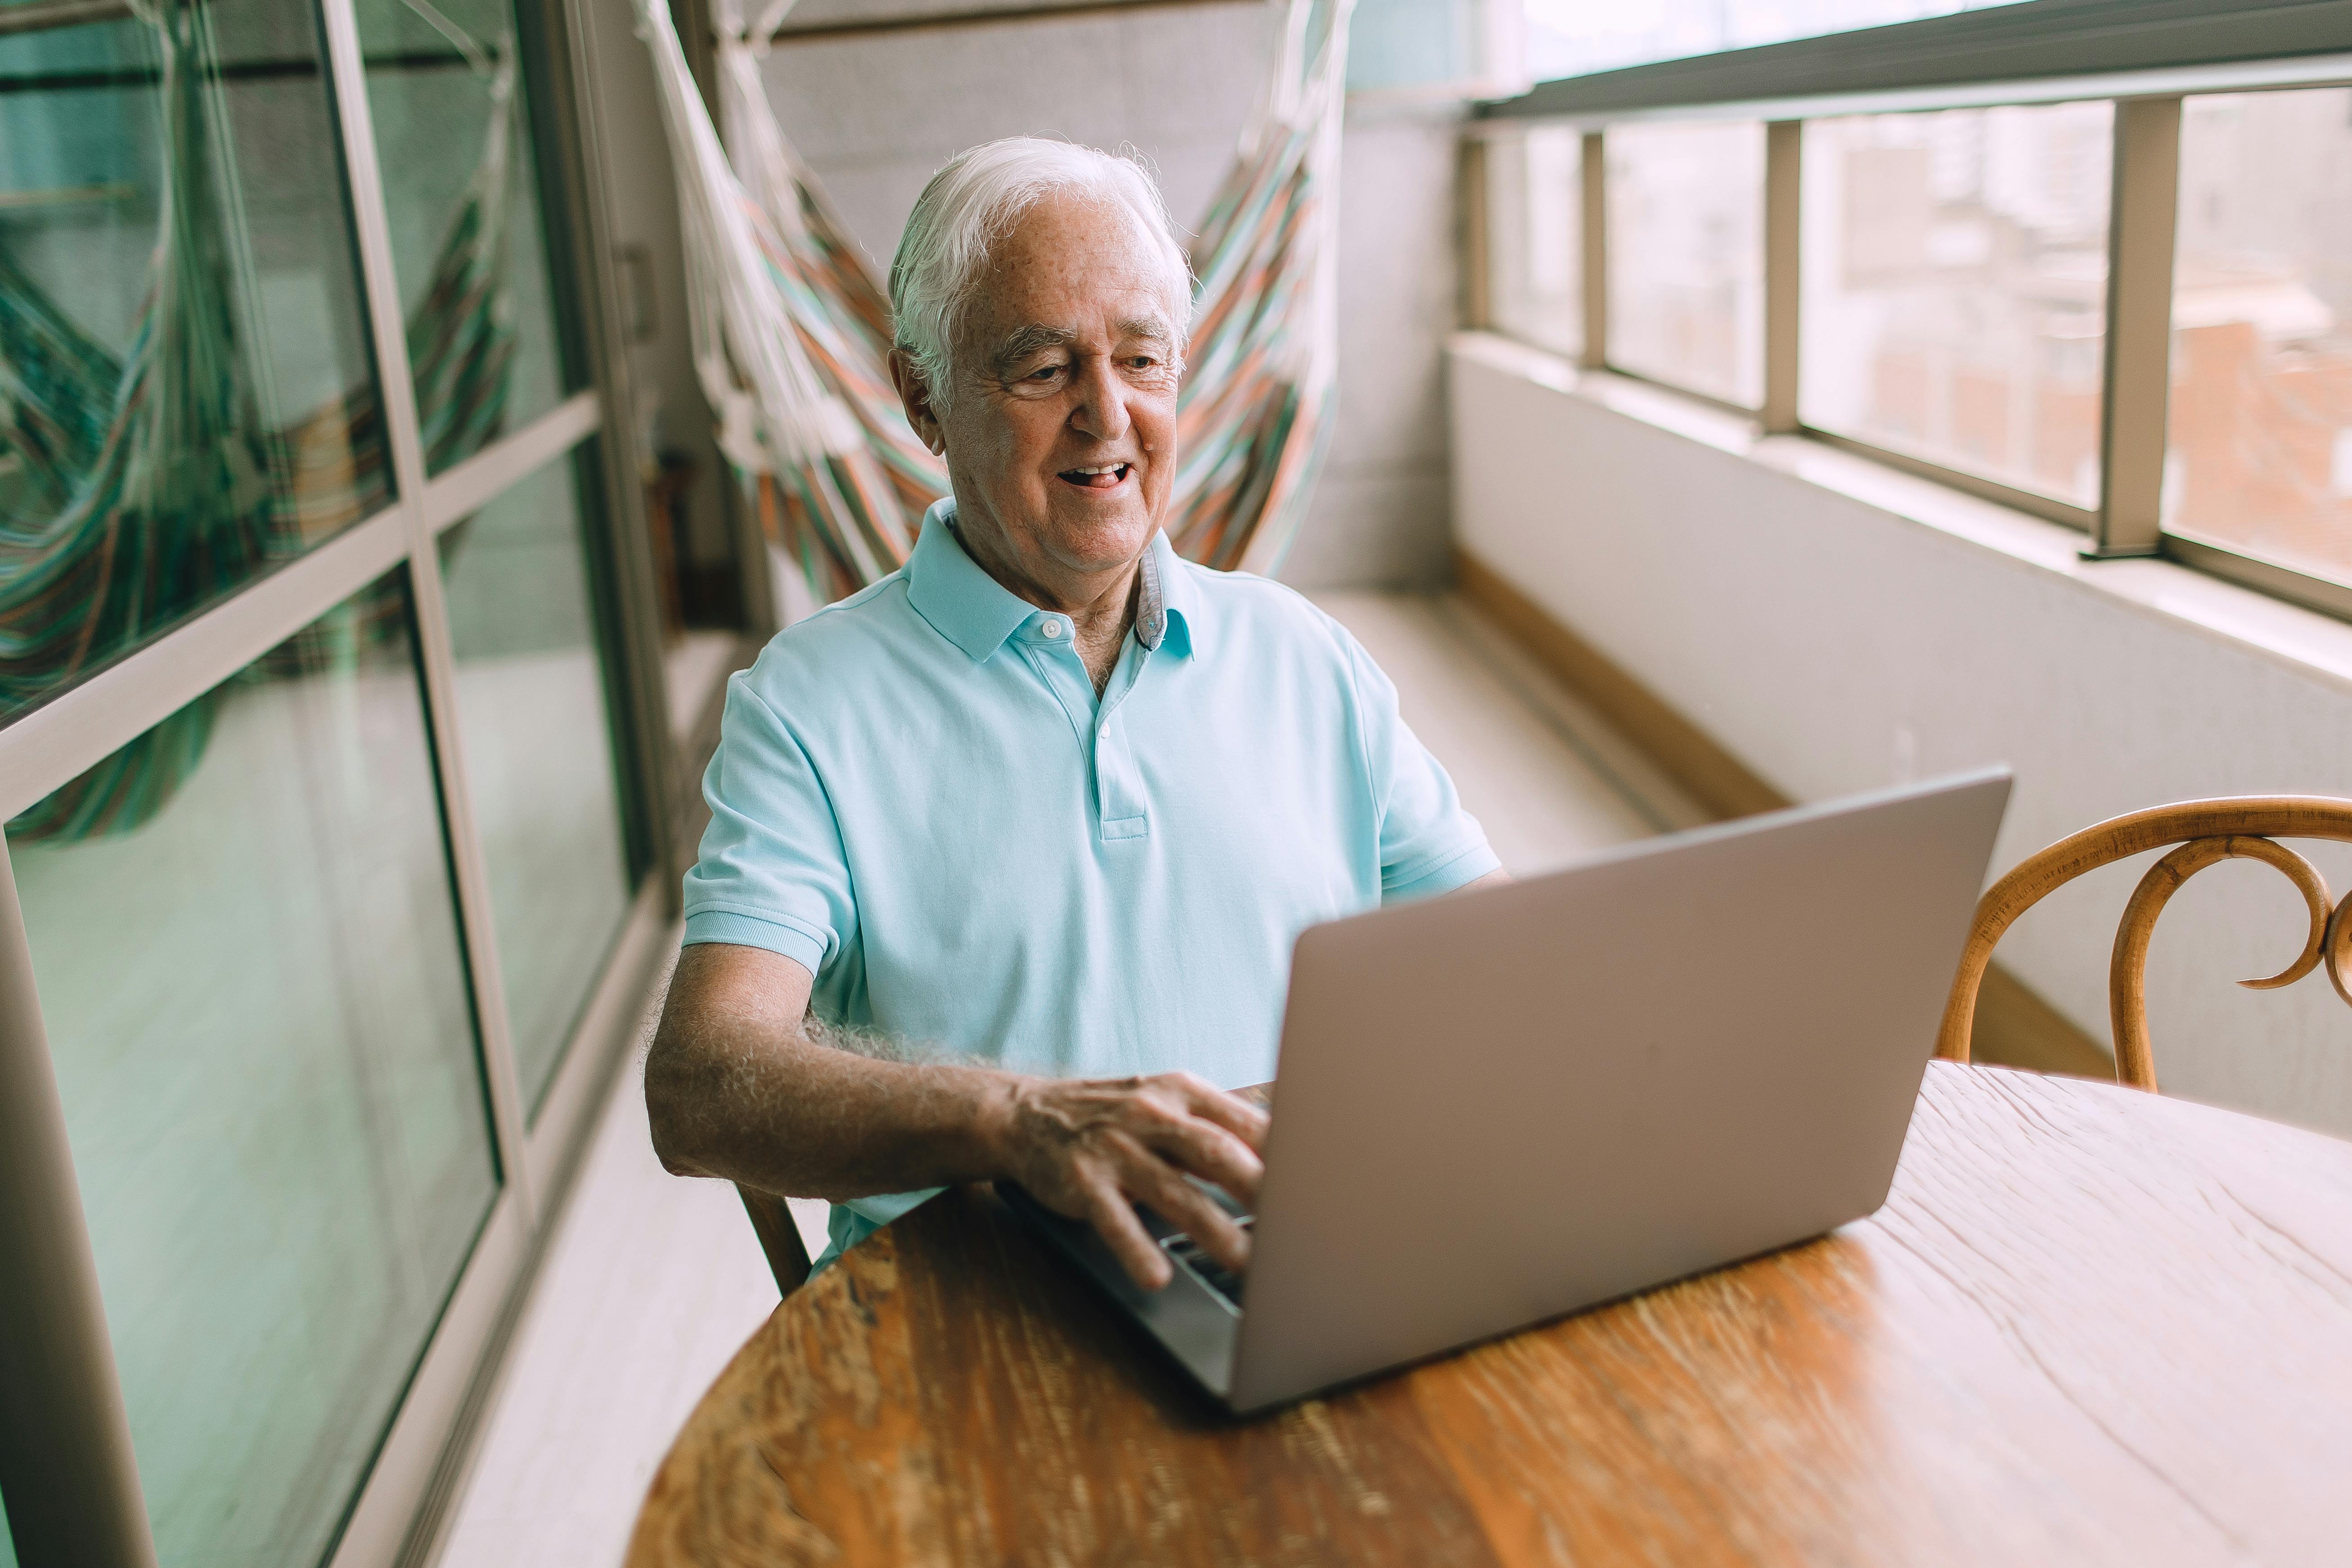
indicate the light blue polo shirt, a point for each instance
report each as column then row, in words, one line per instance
column 918, row 798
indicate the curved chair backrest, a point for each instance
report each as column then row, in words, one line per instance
column 2207, row 831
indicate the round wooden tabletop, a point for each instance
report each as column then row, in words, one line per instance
column 2089, row 1326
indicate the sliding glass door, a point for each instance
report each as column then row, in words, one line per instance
column 332, row 741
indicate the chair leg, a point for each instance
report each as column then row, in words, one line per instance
column 780, row 1238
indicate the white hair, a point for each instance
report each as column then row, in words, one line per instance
column 974, row 201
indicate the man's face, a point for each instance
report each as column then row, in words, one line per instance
column 1061, row 431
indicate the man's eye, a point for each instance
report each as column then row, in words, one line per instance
column 1141, row 362
column 1044, row 373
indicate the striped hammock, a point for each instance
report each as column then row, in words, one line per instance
column 791, row 337
column 146, row 486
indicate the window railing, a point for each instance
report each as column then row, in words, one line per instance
column 2090, row 260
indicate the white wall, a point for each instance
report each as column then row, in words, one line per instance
column 874, row 115
column 1838, row 626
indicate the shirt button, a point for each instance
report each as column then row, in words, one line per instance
column 1052, row 628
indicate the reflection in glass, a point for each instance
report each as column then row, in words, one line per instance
column 186, row 395
column 1687, row 255
column 532, row 709
column 260, row 1019
column 2261, row 453
column 1535, row 185
column 460, row 187
column 1955, row 289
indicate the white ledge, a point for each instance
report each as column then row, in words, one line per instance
column 2305, row 641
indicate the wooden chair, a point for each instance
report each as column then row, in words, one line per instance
column 2208, row 831
column 780, row 1238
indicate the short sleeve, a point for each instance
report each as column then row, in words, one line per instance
column 773, row 873
column 1428, row 843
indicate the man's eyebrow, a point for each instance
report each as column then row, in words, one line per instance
column 1151, row 328
column 1027, row 340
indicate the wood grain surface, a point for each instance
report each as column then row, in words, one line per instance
column 2090, row 1326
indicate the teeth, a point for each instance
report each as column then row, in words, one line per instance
column 1105, row 468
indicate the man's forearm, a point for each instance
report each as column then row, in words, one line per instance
column 739, row 1086
column 744, row 1092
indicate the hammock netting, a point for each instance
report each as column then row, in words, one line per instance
column 792, row 330
column 147, row 485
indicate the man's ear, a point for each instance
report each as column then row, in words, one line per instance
column 915, row 398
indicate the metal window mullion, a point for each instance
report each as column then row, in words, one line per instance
column 435, row 654
column 2139, row 344
column 1593, row 188
column 2135, row 393
column 1784, row 162
column 67, row 1469
column 1474, row 249
column 77, row 730
column 458, row 491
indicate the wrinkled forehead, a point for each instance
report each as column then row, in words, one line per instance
column 1075, row 267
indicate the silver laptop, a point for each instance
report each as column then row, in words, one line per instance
column 1506, row 1105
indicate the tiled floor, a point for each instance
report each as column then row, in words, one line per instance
column 651, row 1282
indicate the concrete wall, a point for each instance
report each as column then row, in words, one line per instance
column 875, row 115
column 1840, row 627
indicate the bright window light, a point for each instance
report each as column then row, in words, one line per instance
column 1955, row 289
column 1685, row 239
column 1572, row 38
column 2260, row 454
column 1534, row 236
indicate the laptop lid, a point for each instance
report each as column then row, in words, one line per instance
column 1501, row 1106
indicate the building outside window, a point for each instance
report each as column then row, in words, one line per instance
column 1536, row 239
column 2260, row 459
column 1685, row 239
column 1955, row 289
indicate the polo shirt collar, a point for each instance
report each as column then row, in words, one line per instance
column 947, row 587
column 977, row 612
column 1168, row 616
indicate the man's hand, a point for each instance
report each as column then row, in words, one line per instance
column 1092, row 1147
column 738, row 1088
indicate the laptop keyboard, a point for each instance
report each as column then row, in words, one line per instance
column 1211, row 1273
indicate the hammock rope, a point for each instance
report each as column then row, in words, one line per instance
column 147, row 485
column 791, row 329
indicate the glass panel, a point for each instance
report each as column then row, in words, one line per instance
column 2261, row 457
column 1687, row 255
column 453, row 131
column 243, row 931
column 1570, row 37
column 531, row 708
column 1955, row 289
column 1535, row 186
column 186, row 391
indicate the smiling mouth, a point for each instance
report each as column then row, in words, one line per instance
column 1101, row 476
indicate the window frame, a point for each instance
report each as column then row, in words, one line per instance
column 66, row 1464
column 2142, row 56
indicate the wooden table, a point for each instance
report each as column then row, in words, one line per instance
column 2090, row 1326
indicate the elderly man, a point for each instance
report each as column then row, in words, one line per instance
column 1007, row 852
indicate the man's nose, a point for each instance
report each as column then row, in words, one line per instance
column 1101, row 411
